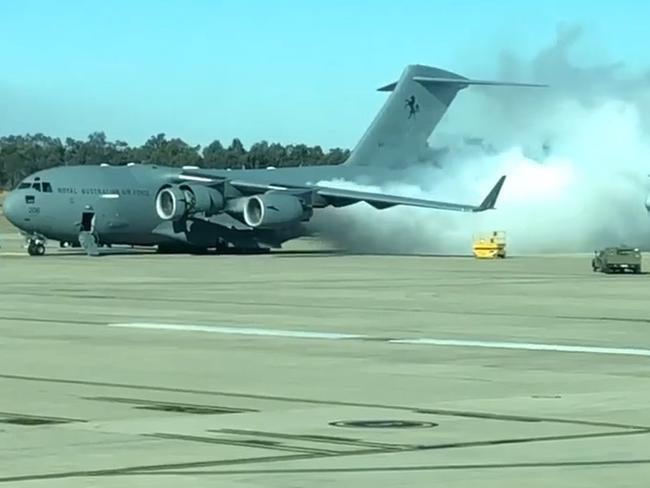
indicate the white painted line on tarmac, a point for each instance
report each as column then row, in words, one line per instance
column 526, row 346
column 241, row 331
column 300, row 334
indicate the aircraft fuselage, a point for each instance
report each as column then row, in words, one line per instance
column 118, row 202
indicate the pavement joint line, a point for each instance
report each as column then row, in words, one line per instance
column 329, row 402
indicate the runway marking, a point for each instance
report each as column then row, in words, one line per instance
column 301, row 334
column 241, row 331
column 526, row 346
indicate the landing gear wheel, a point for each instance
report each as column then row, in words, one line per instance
column 164, row 249
column 221, row 248
column 36, row 249
column 199, row 251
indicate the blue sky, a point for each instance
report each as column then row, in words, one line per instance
column 281, row 70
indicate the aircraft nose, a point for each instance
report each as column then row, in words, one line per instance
column 11, row 208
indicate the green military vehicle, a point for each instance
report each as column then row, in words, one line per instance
column 617, row 260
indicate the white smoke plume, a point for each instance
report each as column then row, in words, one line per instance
column 576, row 156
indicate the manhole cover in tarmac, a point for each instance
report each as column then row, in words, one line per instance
column 384, row 424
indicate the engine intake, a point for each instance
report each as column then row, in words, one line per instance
column 273, row 210
column 175, row 202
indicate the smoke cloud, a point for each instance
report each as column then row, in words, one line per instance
column 576, row 156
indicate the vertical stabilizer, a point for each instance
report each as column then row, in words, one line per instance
column 399, row 133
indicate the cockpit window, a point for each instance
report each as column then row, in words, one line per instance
column 36, row 185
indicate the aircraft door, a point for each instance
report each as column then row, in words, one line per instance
column 87, row 234
column 98, row 220
column 95, row 218
column 88, row 222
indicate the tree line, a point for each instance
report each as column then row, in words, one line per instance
column 21, row 155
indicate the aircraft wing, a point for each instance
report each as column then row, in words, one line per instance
column 338, row 197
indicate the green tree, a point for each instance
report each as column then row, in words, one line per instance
column 214, row 155
column 236, row 155
column 258, row 155
column 21, row 155
column 173, row 152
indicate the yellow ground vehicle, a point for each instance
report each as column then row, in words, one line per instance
column 490, row 246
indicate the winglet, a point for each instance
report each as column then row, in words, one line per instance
column 491, row 198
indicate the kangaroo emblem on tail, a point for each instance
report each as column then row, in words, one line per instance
column 412, row 106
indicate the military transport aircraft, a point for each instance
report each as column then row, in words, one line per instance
column 193, row 209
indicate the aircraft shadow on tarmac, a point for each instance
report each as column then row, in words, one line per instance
column 298, row 253
column 273, row 254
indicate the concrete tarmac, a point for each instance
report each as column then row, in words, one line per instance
column 307, row 368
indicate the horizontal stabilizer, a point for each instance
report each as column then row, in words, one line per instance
column 388, row 88
column 467, row 81
column 461, row 82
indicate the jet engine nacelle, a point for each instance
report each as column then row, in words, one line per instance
column 176, row 202
column 273, row 210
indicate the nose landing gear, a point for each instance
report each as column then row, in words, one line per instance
column 35, row 246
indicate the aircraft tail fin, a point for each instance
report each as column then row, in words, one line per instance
column 417, row 102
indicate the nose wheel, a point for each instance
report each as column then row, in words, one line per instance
column 35, row 247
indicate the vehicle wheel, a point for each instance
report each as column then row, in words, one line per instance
column 36, row 249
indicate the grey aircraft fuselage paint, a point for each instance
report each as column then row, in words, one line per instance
column 122, row 198
column 117, row 204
